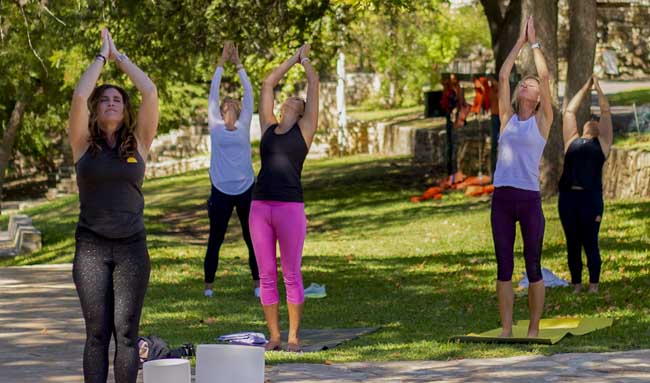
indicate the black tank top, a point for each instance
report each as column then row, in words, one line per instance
column 583, row 165
column 110, row 192
column 282, row 158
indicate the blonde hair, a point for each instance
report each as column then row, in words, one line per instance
column 234, row 101
column 515, row 96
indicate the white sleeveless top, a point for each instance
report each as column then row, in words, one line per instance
column 520, row 150
column 231, row 168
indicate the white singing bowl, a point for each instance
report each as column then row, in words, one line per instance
column 167, row 371
column 228, row 363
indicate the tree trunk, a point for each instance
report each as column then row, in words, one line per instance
column 582, row 49
column 504, row 21
column 545, row 16
column 8, row 139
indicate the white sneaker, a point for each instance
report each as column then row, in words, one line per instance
column 208, row 293
column 257, row 292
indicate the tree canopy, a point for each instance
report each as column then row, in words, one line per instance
column 45, row 47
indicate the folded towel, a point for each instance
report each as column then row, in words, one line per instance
column 315, row 291
column 550, row 279
column 245, row 338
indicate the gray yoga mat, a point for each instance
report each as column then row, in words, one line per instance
column 323, row 339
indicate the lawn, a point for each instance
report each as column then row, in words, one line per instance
column 633, row 141
column 423, row 272
column 363, row 114
column 638, row 96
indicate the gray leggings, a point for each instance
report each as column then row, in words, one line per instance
column 111, row 277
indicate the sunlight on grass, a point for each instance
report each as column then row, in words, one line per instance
column 633, row 141
column 422, row 272
column 383, row 114
column 639, row 96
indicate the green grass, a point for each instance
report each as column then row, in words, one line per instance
column 362, row 114
column 423, row 272
column 633, row 141
column 628, row 97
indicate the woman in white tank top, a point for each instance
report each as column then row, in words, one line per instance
column 525, row 125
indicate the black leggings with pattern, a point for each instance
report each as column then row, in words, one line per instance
column 111, row 277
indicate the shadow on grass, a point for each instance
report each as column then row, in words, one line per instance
column 419, row 299
column 413, row 298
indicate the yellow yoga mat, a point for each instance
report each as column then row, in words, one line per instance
column 551, row 331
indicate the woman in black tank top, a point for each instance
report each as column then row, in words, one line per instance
column 581, row 196
column 111, row 264
column 277, row 212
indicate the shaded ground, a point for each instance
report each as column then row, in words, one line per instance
column 42, row 341
column 423, row 272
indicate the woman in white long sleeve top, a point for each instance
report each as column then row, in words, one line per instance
column 231, row 169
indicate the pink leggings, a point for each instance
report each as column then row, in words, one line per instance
column 284, row 222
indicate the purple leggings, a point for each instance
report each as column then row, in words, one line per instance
column 510, row 205
column 285, row 223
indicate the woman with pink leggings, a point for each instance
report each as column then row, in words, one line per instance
column 277, row 211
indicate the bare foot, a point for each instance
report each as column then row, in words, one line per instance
column 577, row 288
column 293, row 347
column 533, row 332
column 593, row 288
column 273, row 345
column 506, row 334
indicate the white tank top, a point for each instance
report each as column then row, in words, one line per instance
column 520, row 150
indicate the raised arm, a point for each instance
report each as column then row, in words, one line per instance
column 569, row 122
column 246, row 113
column 78, row 132
column 605, row 127
column 267, row 118
column 309, row 121
column 147, row 124
column 214, row 111
column 545, row 103
column 505, row 105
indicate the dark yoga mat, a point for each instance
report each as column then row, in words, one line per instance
column 319, row 340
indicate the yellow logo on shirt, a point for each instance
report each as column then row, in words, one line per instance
column 132, row 160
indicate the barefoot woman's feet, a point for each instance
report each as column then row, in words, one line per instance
column 577, row 288
column 293, row 347
column 273, row 345
column 593, row 288
column 505, row 334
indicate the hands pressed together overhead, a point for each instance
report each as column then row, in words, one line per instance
column 230, row 53
column 108, row 50
column 528, row 33
column 302, row 54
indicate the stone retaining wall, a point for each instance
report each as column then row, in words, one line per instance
column 626, row 174
column 428, row 145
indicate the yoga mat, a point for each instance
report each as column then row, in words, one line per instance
column 551, row 331
column 318, row 340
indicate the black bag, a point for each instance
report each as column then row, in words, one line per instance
column 153, row 347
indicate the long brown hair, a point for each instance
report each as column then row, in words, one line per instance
column 125, row 133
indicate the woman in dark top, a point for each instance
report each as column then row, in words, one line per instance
column 278, row 212
column 581, row 196
column 111, row 264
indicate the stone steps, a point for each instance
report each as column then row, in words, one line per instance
column 20, row 238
